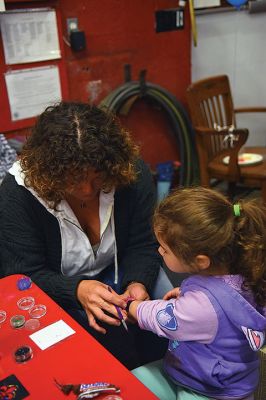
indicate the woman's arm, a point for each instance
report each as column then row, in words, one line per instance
column 137, row 246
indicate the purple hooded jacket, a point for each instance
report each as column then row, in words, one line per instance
column 228, row 367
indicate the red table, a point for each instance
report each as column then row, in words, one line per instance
column 76, row 359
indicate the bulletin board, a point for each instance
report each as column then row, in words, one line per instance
column 7, row 122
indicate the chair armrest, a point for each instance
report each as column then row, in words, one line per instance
column 250, row 110
column 208, row 149
column 201, row 130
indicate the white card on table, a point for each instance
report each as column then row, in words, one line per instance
column 52, row 334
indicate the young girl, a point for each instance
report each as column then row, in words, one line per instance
column 215, row 321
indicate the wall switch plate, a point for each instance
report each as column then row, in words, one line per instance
column 169, row 20
column 72, row 25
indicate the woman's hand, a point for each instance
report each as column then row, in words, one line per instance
column 96, row 300
column 173, row 293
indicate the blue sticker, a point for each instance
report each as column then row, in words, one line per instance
column 166, row 318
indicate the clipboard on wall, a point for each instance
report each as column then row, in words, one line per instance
column 26, row 59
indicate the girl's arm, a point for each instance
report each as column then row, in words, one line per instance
column 190, row 317
column 133, row 304
column 132, row 309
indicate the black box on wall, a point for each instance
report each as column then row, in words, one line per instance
column 169, row 20
column 77, row 40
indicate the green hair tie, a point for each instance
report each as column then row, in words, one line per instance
column 236, row 208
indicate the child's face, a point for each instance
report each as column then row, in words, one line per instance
column 174, row 263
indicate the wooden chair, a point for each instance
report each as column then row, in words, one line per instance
column 213, row 118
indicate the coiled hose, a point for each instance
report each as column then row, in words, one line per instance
column 123, row 97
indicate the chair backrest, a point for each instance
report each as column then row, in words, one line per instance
column 211, row 109
column 213, row 118
column 210, row 102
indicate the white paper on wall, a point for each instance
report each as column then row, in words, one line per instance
column 31, row 90
column 29, row 35
column 2, row 5
column 206, row 3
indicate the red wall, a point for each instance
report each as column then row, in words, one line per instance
column 120, row 32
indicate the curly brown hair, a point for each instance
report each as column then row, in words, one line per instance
column 68, row 140
column 198, row 220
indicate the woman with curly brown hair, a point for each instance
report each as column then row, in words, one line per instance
column 75, row 215
column 216, row 320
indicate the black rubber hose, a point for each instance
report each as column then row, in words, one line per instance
column 121, row 100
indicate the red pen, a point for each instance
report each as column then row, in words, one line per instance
column 119, row 313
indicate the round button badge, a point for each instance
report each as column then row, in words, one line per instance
column 2, row 316
column 25, row 303
column 37, row 311
column 24, row 283
column 23, row 354
column 17, row 321
column 32, row 324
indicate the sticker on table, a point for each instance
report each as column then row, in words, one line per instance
column 12, row 388
column 52, row 334
column 246, row 159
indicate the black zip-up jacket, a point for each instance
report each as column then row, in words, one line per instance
column 30, row 240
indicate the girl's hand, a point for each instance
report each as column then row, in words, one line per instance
column 136, row 291
column 174, row 293
column 96, row 301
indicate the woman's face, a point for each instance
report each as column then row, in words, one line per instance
column 88, row 189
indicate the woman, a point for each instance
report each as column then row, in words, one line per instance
column 75, row 216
